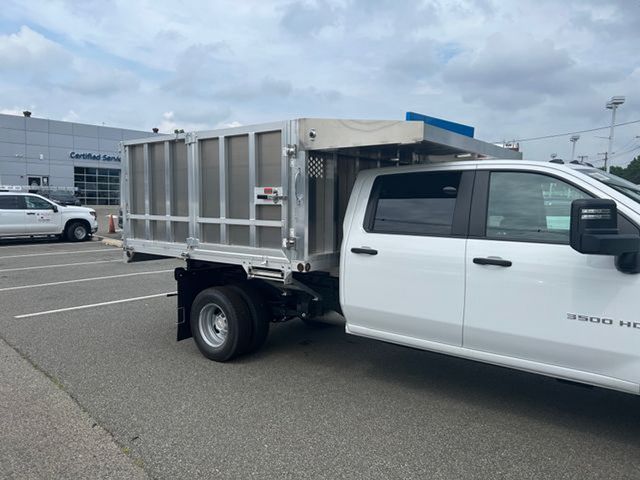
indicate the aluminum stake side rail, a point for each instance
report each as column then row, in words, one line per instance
column 268, row 197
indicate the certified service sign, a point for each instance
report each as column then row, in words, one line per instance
column 94, row 156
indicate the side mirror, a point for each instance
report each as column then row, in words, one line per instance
column 54, row 208
column 594, row 229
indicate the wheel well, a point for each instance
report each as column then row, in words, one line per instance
column 81, row 220
column 285, row 302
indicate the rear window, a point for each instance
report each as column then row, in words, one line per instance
column 9, row 202
column 415, row 203
column 62, row 196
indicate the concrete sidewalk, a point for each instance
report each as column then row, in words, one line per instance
column 102, row 211
column 46, row 434
column 103, row 235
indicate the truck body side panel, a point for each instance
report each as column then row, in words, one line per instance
column 270, row 196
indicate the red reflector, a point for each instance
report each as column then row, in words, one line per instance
column 268, row 190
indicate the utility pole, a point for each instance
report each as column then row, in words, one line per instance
column 612, row 105
column 582, row 158
column 606, row 158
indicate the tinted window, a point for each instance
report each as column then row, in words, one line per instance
column 36, row 203
column 9, row 202
column 64, row 196
column 415, row 203
column 530, row 207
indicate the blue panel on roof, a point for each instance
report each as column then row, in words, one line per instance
column 465, row 130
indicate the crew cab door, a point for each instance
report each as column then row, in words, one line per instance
column 530, row 296
column 403, row 266
column 41, row 218
column 12, row 215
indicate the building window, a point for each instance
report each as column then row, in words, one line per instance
column 97, row 186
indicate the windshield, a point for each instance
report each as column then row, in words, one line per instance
column 623, row 186
column 62, row 196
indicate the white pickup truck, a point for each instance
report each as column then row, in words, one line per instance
column 523, row 264
column 29, row 215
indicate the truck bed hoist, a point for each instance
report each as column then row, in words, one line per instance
column 416, row 232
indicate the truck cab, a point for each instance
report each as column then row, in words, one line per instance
column 475, row 259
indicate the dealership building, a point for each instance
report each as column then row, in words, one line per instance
column 37, row 151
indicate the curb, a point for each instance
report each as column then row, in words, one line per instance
column 112, row 242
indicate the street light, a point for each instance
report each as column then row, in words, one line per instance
column 573, row 139
column 612, row 105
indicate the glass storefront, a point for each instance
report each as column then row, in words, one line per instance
column 97, row 186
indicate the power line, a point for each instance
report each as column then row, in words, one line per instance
column 570, row 133
column 616, row 155
column 629, row 143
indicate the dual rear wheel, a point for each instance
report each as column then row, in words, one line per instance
column 229, row 321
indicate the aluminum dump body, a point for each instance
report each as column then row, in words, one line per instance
column 269, row 197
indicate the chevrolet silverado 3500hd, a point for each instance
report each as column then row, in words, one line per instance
column 524, row 264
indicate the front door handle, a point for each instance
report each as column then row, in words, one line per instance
column 492, row 261
column 31, row 213
column 364, row 250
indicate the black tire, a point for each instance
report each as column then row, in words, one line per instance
column 211, row 311
column 260, row 314
column 77, row 232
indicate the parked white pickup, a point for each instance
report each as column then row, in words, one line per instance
column 28, row 214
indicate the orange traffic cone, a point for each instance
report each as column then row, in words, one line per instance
column 112, row 225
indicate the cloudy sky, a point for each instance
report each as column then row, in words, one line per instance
column 513, row 69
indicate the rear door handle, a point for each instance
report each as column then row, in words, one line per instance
column 492, row 261
column 364, row 250
column 31, row 213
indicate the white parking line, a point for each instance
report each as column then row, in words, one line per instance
column 110, row 250
column 92, row 305
column 46, row 244
column 21, row 287
column 58, row 265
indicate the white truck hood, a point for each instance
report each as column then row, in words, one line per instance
column 74, row 209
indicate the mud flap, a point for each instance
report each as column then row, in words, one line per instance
column 191, row 281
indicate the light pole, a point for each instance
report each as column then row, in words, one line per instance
column 573, row 140
column 612, row 105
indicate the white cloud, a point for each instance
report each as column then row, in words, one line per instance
column 168, row 123
column 70, row 116
column 229, row 124
column 92, row 78
column 12, row 111
column 512, row 69
column 29, row 51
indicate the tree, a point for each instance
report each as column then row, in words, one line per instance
column 631, row 172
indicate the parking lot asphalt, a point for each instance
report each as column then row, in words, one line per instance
column 314, row 403
column 45, row 434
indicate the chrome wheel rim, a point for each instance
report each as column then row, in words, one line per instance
column 79, row 233
column 213, row 325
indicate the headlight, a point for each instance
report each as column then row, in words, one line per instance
column 93, row 214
